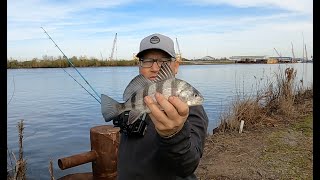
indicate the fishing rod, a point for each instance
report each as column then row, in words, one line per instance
column 75, row 69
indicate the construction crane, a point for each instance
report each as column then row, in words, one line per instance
column 305, row 47
column 113, row 46
column 277, row 52
column 292, row 51
column 101, row 56
column 179, row 52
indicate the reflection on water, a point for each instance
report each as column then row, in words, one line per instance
column 58, row 113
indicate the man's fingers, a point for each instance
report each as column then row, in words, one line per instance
column 156, row 112
column 157, row 124
column 170, row 120
column 167, row 106
column 182, row 108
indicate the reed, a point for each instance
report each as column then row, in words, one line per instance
column 276, row 102
column 20, row 167
column 51, row 170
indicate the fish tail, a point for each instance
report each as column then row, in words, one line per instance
column 110, row 108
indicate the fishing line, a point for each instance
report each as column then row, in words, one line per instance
column 14, row 89
column 81, row 85
column 75, row 69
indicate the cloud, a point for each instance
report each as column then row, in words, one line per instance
column 258, row 40
column 303, row 6
column 89, row 26
column 26, row 17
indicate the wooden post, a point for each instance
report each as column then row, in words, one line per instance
column 103, row 155
column 76, row 160
column 241, row 126
column 105, row 141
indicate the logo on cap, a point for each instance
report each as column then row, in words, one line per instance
column 154, row 40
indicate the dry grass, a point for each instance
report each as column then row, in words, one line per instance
column 278, row 139
column 269, row 106
column 281, row 99
column 51, row 170
column 281, row 152
column 247, row 109
column 20, row 168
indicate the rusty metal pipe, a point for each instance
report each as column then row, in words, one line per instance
column 78, row 159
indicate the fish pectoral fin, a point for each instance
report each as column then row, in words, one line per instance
column 134, row 116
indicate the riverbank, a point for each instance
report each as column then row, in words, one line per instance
column 63, row 63
column 281, row 152
column 276, row 142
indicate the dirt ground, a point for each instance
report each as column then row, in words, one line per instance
column 282, row 151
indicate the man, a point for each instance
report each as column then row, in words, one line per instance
column 173, row 143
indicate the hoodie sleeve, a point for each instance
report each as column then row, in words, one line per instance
column 184, row 150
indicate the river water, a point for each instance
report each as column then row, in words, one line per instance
column 58, row 113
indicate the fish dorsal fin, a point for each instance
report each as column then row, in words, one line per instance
column 135, row 84
column 164, row 73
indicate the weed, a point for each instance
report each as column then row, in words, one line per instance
column 276, row 99
column 20, row 168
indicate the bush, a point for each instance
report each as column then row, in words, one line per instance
column 268, row 107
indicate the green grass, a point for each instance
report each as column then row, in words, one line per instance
column 289, row 150
column 305, row 126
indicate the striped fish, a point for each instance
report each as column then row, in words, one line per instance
column 139, row 87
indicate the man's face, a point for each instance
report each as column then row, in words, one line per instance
column 152, row 72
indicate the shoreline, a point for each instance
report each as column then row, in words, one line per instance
column 281, row 152
column 61, row 63
column 280, row 149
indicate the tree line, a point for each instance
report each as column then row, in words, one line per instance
column 60, row 62
column 83, row 61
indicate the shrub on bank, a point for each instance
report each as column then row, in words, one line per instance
column 63, row 63
column 271, row 105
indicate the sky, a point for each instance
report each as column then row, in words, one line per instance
column 217, row 28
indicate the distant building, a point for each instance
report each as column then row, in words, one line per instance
column 249, row 59
column 283, row 59
column 207, row 58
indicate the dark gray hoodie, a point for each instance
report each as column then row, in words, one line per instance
column 153, row 157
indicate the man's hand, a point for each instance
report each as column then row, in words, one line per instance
column 171, row 120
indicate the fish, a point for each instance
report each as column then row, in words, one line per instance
column 139, row 87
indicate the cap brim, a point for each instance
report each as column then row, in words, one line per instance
column 143, row 51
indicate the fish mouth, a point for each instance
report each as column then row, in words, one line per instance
column 199, row 100
column 195, row 102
